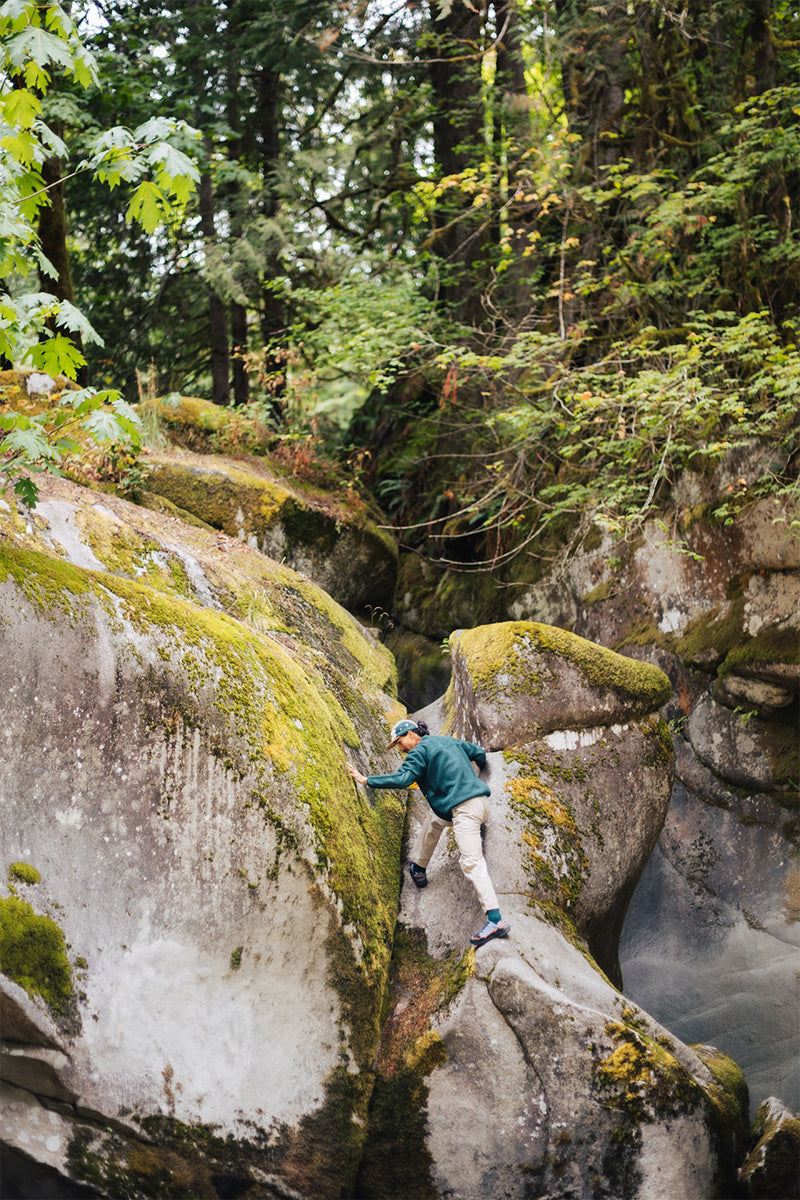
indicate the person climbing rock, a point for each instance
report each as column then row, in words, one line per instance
column 442, row 768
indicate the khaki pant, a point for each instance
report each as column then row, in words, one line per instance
column 467, row 820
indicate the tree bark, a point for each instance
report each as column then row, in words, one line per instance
column 272, row 315
column 52, row 231
column 596, row 73
column 513, row 141
column 462, row 234
column 218, row 325
column 241, row 383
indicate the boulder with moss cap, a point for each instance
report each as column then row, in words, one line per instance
column 319, row 528
column 177, row 712
column 588, row 765
column 519, row 677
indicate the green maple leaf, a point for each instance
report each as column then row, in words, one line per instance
column 57, row 356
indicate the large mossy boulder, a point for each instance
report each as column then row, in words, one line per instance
column 523, row 1071
column 233, row 476
column 588, row 765
column 710, row 594
column 176, row 711
column 241, row 1012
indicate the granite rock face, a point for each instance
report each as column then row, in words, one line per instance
column 242, row 1012
column 717, row 607
column 532, row 1074
column 175, row 729
column 588, row 765
column 337, row 546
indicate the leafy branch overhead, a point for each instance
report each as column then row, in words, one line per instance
column 519, row 265
column 38, row 43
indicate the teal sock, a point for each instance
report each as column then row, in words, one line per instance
column 494, row 915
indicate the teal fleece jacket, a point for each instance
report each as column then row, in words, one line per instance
column 442, row 767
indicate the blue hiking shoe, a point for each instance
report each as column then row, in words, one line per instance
column 418, row 874
column 490, row 930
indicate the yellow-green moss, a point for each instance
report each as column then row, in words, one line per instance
column 263, row 710
column 553, row 846
column 396, row 1161
column 21, row 872
column 642, row 1079
column 602, row 592
column 770, row 1169
column 492, row 651
column 729, row 1092
column 33, row 953
column 216, row 494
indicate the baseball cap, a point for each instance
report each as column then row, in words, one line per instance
column 401, row 727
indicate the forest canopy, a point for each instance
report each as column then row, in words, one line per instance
column 515, row 264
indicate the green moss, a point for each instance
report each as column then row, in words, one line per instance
column 396, row 1161
column 643, row 633
column 219, row 494
column 603, row 591
column 553, row 846
column 769, row 646
column 305, row 526
column 33, row 953
column 50, row 584
column 263, row 710
column 770, row 1170
column 492, row 653
column 729, row 1092
column 665, row 740
column 642, row 1079
column 177, row 1162
column 23, row 873
column 728, row 1114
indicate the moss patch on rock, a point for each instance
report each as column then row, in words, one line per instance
column 176, row 1162
column 33, row 953
column 199, row 425
column 642, row 1079
column 263, row 710
column 494, row 651
column 553, row 845
column 21, row 872
column 729, row 1109
column 396, row 1161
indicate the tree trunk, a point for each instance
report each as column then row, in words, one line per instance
column 218, row 325
column 52, row 231
column 241, row 388
column 463, row 232
column 273, row 317
column 596, row 73
column 513, row 141
column 759, row 36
